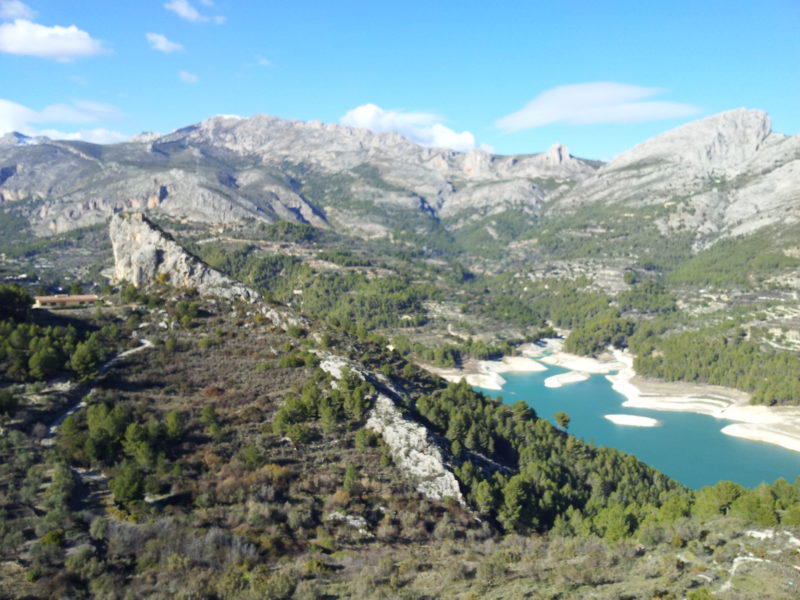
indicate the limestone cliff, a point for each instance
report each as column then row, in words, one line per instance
column 143, row 252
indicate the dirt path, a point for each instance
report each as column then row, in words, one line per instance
column 51, row 431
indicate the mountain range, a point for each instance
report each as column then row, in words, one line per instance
column 725, row 175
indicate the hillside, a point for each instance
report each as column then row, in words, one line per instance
column 269, row 432
column 238, row 457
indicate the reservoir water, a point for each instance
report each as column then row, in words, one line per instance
column 686, row 446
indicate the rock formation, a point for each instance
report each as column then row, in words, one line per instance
column 413, row 447
column 143, row 253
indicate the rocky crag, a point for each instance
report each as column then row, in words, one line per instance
column 725, row 175
column 144, row 254
column 226, row 170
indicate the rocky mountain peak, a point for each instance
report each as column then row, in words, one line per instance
column 146, row 137
column 15, row 138
column 718, row 143
column 557, row 154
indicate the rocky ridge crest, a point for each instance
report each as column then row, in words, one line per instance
column 724, row 175
column 414, row 449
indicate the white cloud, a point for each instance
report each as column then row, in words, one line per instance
column 161, row 43
column 80, row 111
column 263, row 62
column 187, row 77
column 14, row 9
column 60, row 43
column 16, row 117
column 421, row 128
column 185, row 10
column 596, row 102
column 95, row 136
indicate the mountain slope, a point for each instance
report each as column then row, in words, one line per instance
column 725, row 175
column 228, row 169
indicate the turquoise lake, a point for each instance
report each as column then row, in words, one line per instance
column 688, row 447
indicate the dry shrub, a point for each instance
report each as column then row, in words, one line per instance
column 213, row 390
column 339, row 499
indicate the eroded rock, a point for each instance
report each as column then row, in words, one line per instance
column 144, row 254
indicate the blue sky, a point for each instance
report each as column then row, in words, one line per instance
column 514, row 77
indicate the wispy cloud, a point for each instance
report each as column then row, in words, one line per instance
column 185, row 10
column 187, row 77
column 263, row 62
column 161, row 43
column 595, row 102
column 14, row 9
column 16, row 117
column 63, row 44
column 421, row 128
column 95, row 136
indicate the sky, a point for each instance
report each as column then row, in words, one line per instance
column 511, row 77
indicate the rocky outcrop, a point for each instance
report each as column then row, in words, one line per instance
column 414, row 449
column 230, row 170
column 721, row 143
column 144, row 254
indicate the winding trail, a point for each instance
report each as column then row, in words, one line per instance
column 53, row 429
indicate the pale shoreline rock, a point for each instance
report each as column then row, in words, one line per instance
column 633, row 420
column 779, row 426
column 762, row 433
column 486, row 373
column 557, row 381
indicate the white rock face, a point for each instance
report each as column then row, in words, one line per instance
column 449, row 181
column 142, row 252
column 721, row 176
column 722, row 142
column 412, row 450
column 412, row 447
column 724, row 175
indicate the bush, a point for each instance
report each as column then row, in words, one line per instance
column 54, row 537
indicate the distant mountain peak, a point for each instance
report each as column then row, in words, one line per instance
column 145, row 137
column 557, row 154
column 15, row 138
column 719, row 142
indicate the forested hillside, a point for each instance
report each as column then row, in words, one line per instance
column 223, row 462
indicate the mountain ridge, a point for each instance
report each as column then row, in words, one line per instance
column 724, row 175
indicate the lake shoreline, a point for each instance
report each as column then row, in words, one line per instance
column 486, row 374
column 779, row 426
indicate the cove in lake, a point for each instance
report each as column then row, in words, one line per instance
column 686, row 446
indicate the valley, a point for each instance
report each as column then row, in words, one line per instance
column 282, row 436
